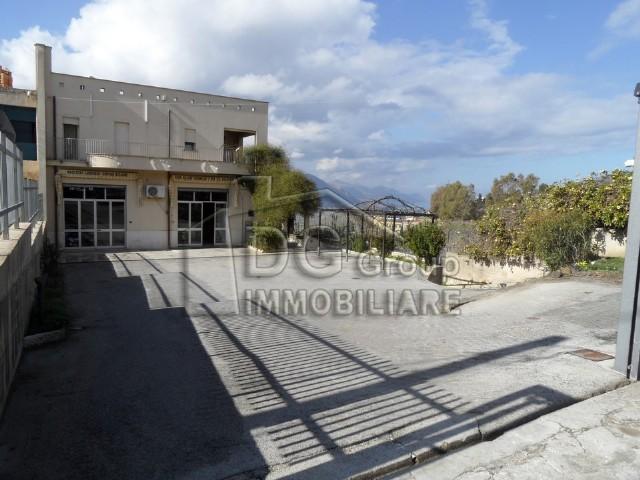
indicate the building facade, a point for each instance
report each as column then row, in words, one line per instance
column 20, row 107
column 142, row 167
column 6, row 79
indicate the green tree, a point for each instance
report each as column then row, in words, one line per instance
column 559, row 239
column 261, row 157
column 512, row 188
column 605, row 197
column 455, row 201
column 425, row 241
column 280, row 193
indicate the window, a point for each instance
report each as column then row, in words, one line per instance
column 61, row 84
column 121, row 92
column 189, row 140
column 140, row 94
column 101, row 89
column 82, row 87
column 25, row 131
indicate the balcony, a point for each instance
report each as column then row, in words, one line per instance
column 82, row 149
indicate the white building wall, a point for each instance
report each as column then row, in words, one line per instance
column 157, row 117
column 148, row 117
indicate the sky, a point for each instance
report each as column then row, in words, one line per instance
column 402, row 94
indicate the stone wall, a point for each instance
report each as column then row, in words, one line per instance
column 460, row 269
column 19, row 268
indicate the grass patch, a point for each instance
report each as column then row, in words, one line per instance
column 603, row 265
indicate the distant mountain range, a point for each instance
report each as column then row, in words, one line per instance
column 360, row 193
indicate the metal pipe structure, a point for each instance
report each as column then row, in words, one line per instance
column 348, row 231
column 628, row 344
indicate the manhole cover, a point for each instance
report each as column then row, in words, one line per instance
column 592, row 355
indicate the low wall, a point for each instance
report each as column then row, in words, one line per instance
column 610, row 243
column 19, row 267
column 461, row 269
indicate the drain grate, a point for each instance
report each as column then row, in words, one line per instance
column 592, row 355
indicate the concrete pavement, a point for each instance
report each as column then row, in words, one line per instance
column 594, row 439
column 167, row 379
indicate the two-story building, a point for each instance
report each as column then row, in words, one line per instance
column 134, row 166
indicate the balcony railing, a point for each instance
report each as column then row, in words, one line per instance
column 81, row 148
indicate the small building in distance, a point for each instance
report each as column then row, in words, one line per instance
column 20, row 107
column 6, row 79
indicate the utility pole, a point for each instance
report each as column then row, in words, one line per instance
column 628, row 344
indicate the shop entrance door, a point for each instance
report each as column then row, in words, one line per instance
column 202, row 218
column 94, row 216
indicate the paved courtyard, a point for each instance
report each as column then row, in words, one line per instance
column 171, row 371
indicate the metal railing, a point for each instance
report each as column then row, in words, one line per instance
column 19, row 198
column 80, row 149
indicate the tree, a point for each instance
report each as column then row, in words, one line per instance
column 425, row 241
column 280, row 193
column 512, row 188
column 260, row 157
column 559, row 239
column 455, row 201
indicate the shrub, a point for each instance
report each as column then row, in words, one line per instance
column 425, row 241
column 358, row 244
column 389, row 244
column 560, row 239
column 268, row 239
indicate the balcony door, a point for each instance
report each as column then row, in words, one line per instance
column 121, row 141
column 70, row 141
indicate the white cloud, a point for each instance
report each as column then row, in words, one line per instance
column 623, row 23
column 625, row 19
column 327, row 164
column 400, row 108
column 253, row 86
column 376, row 136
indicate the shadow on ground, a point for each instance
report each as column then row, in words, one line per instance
column 200, row 391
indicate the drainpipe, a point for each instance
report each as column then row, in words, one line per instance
column 168, row 210
column 55, row 209
column 55, row 135
column 169, row 136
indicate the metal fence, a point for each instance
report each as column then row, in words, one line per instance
column 19, row 198
column 82, row 148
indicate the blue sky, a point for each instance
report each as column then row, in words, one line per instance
column 405, row 94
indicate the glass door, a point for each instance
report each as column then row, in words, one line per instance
column 220, row 228
column 110, row 223
column 190, row 223
column 202, row 218
column 94, row 216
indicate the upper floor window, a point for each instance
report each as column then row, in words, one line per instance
column 189, row 140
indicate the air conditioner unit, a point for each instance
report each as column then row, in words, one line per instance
column 155, row 191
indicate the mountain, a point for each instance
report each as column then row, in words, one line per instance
column 360, row 193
